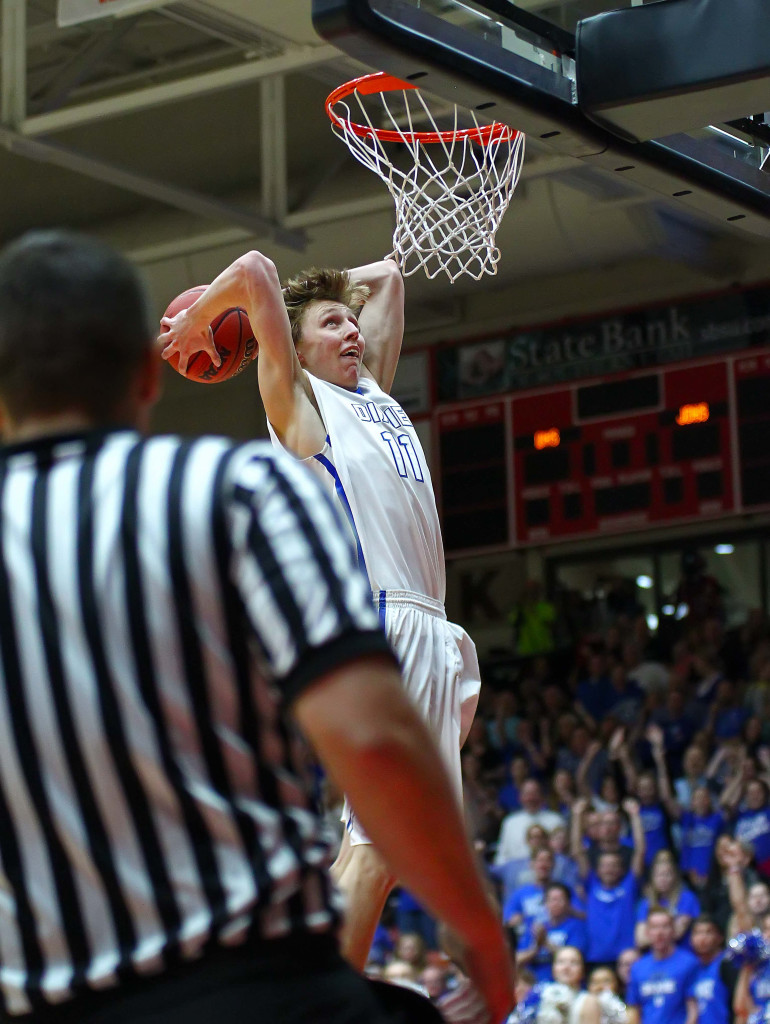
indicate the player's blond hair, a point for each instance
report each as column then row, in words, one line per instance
column 320, row 285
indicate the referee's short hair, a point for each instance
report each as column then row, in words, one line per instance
column 74, row 325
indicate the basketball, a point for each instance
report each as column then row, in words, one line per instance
column 233, row 338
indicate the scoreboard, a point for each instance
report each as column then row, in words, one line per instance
column 645, row 449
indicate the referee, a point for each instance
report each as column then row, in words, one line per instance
column 170, row 612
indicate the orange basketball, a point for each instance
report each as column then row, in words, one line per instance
column 233, row 338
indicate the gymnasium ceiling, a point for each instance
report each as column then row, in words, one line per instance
column 193, row 130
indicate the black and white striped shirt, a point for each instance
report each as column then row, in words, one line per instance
column 160, row 601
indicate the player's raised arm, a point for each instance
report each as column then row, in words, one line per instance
column 250, row 282
column 381, row 319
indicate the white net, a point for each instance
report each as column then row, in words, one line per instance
column 451, row 186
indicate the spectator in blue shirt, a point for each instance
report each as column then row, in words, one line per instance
column 560, row 927
column 752, row 823
column 595, row 694
column 752, row 992
column 611, row 892
column 526, row 904
column 700, row 828
column 665, row 890
column 661, row 983
column 715, row 977
column 655, row 818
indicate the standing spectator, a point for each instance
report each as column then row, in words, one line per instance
column 693, row 775
column 731, row 859
column 715, row 977
column 699, row 829
column 502, row 726
column 611, row 892
column 533, row 621
column 655, row 818
column 752, row 822
column 541, row 938
column 513, row 873
column 610, row 839
column 661, row 983
column 752, row 991
column 627, row 698
column 171, row 612
column 527, row 903
column 623, row 965
column 512, row 842
column 665, row 890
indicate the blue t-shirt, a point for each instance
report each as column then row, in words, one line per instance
column 660, row 988
column 609, row 917
column 759, row 986
column 754, row 827
column 699, row 836
column 527, row 900
column 712, row 994
column 687, row 903
column 655, row 825
column 570, row 932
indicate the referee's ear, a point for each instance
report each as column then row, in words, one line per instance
column 147, row 387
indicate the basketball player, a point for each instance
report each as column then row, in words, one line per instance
column 324, row 375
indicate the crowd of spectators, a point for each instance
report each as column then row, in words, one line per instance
column 620, row 799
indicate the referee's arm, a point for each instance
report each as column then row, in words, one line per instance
column 379, row 752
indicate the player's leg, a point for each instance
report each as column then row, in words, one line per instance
column 362, row 875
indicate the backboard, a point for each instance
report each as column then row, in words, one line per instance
column 521, row 63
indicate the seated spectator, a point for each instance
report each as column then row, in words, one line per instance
column 503, row 723
column 512, row 842
column 626, row 960
column 508, row 796
column 594, row 691
column 660, row 988
column 665, row 890
column 693, row 775
column 752, row 991
column 482, row 813
column 541, row 939
column 603, row 979
column 527, row 903
column 513, row 873
column 491, row 762
column 715, row 978
column 413, row 920
column 564, row 869
column 611, row 891
column 650, row 676
column 726, row 714
column 627, row 696
column 563, row 792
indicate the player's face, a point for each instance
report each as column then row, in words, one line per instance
column 331, row 345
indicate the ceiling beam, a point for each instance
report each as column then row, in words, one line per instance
column 183, row 199
column 69, row 75
column 272, row 114
column 170, row 92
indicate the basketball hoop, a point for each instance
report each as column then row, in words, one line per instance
column 451, row 196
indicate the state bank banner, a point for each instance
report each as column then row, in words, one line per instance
column 74, row 12
column 609, row 344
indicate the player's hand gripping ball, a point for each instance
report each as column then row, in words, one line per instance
column 233, row 337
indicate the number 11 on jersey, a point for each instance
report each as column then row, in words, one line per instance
column 404, row 455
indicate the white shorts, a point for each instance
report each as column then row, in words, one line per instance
column 441, row 675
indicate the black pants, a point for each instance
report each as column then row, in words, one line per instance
column 292, row 981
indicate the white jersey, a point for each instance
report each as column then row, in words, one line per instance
column 375, row 470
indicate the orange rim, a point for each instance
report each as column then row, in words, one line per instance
column 381, row 81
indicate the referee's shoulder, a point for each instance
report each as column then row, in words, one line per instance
column 233, row 464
